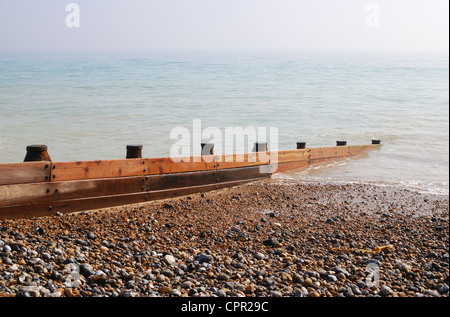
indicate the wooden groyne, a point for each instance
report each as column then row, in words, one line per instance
column 41, row 187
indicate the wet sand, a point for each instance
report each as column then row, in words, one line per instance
column 265, row 239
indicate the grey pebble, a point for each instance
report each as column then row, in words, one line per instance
column 432, row 292
column 443, row 289
column 386, row 291
column 169, row 259
column 176, row 292
column 332, row 278
column 6, row 248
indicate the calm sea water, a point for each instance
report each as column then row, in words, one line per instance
column 89, row 106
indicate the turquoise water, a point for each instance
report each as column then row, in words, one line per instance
column 89, row 106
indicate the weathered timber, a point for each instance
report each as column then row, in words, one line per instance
column 29, row 194
column 44, row 188
column 66, row 171
column 20, row 173
column 283, row 161
column 98, row 202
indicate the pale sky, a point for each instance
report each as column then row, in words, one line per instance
column 226, row 25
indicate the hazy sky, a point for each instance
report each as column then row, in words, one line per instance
column 226, row 24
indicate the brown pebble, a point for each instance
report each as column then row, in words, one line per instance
column 165, row 290
column 307, row 282
column 69, row 292
column 250, row 289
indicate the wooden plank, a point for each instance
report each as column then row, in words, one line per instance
column 167, row 181
column 242, row 160
column 340, row 151
column 29, row 172
column 67, row 171
column 294, row 159
column 319, row 153
column 27, row 194
column 189, row 164
column 72, row 205
column 25, row 189
column 329, row 152
column 359, row 149
column 290, row 156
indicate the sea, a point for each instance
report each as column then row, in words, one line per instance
column 90, row 105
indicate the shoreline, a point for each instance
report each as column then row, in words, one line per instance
column 441, row 189
column 271, row 238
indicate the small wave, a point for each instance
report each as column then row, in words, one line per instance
column 423, row 187
column 426, row 187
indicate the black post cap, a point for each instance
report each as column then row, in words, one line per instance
column 134, row 151
column 36, row 153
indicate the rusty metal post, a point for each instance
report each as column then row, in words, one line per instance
column 260, row 147
column 207, row 148
column 301, row 145
column 341, row 143
column 134, row 151
column 376, row 141
column 37, row 152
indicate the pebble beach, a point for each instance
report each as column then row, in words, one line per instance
column 270, row 238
